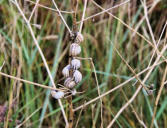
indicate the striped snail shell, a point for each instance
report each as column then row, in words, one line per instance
column 75, row 64
column 66, row 71
column 69, row 83
column 75, row 49
column 77, row 76
column 79, row 38
column 57, row 95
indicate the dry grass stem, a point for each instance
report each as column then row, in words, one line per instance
column 143, row 18
column 61, row 17
column 130, row 68
column 104, row 11
column 29, row 82
column 157, row 43
column 2, row 65
column 133, row 109
column 83, row 16
column 79, row 117
column 39, row 5
column 124, row 107
column 149, row 26
column 158, row 96
column 36, row 5
column 148, row 22
column 18, row 126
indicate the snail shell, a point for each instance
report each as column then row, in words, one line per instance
column 75, row 64
column 57, row 95
column 75, row 49
column 79, row 38
column 77, row 76
column 69, row 83
column 66, row 71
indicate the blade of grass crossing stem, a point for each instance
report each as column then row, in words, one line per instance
column 54, row 70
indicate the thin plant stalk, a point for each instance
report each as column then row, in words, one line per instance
column 158, row 97
column 36, row 5
column 43, row 6
column 104, row 11
column 61, row 17
column 29, row 82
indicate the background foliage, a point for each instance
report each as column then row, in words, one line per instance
column 101, row 34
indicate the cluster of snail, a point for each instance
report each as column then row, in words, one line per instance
column 71, row 72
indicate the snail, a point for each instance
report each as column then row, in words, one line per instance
column 57, row 95
column 77, row 76
column 75, row 49
column 79, row 38
column 75, row 64
column 69, row 83
column 66, row 71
